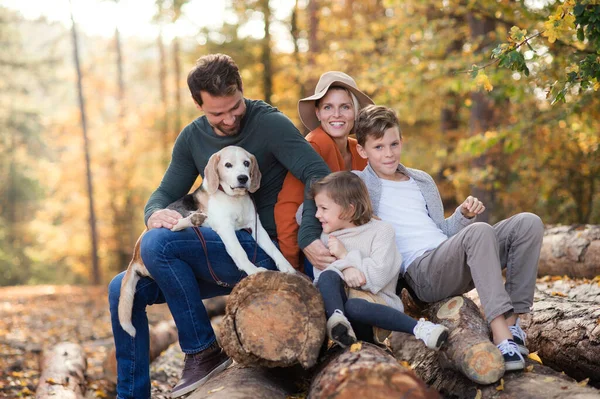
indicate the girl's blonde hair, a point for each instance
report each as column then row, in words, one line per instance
column 348, row 191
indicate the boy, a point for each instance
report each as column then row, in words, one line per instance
column 448, row 257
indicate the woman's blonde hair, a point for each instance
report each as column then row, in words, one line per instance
column 348, row 191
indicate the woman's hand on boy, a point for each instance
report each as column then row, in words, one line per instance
column 471, row 207
column 354, row 278
column 318, row 255
column 336, row 248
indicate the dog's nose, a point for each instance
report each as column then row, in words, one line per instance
column 242, row 179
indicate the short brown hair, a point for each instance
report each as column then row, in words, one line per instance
column 373, row 121
column 348, row 191
column 216, row 74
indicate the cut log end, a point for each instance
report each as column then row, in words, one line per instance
column 275, row 320
column 483, row 363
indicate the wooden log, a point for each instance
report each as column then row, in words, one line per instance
column 63, row 372
column 566, row 334
column 468, row 348
column 239, row 382
column 571, row 250
column 162, row 335
column 536, row 382
column 274, row 319
column 368, row 372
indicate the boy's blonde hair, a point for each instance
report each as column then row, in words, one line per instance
column 373, row 121
column 348, row 191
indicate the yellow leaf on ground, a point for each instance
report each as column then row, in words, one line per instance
column 584, row 383
column 529, row 369
column 479, row 394
column 405, row 364
column 501, row 386
column 534, row 356
column 557, row 293
column 216, row 390
column 100, row 393
column 548, row 379
column 356, row 347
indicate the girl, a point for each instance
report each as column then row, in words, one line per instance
column 367, row 262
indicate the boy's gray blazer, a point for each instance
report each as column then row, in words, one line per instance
column 433, row 201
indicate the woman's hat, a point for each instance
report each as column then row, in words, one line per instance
column 306, row 106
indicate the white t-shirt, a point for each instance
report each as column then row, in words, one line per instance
column 403, row 206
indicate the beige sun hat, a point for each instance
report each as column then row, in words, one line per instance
column 306, row 106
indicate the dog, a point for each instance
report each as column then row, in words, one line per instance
column 222, row 203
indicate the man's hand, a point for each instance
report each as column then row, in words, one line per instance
column 471, row 207
column 354, row 277
column 163, row 218
column 336, row 248
column 318, row 255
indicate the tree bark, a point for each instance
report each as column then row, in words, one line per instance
column 274, row 319
column 571, row 250
column 536, row 382
column 266, row 53
column 468, row 349
column 367, row 372
column 63, row 372
column 566, row 335
column 240, row 382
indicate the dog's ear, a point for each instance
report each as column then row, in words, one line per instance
column 255, row 175
column 211, row 173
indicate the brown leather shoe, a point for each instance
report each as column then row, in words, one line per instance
column 199, row 368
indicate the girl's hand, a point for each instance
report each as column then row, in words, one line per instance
column 354, row 277
column 336, row 248
column 471, row 207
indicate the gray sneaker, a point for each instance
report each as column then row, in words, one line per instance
column 199, row 368
column 340, row 330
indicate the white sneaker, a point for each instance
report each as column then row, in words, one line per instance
column 513, row 360
column 339, row 329
column 434, row 335
column 519, row 337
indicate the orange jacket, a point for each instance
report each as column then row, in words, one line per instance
column 292, row 193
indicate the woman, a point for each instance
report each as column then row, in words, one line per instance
column 330, row 115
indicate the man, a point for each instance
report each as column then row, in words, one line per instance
column 183, row 272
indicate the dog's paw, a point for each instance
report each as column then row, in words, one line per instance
column 179, row 226
column 261, row 269
column 198, row 218
column 286, row 268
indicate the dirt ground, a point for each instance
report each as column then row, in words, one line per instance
column 33, row 318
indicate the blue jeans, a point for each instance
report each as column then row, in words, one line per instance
column 177, row 262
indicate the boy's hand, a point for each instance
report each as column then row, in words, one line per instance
column 354, row 277
column 471, row 207
column 336, row 248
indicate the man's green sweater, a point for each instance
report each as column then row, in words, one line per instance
column 278, row 147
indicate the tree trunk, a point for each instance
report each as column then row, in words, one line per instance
column 566, row 335
column 177, row 69
column 162, row 84
column 63, row 372
column 86, row 148
column 536, row 382
column 367, row 372
column 571, row 250
column 266, row 54
column 468, row 349
column 240, row 382
column 274, row 319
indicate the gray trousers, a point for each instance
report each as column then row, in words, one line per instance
column 474, row 258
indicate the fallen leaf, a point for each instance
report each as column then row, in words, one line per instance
column 584, row 383
column 534, row 356
column 501, row 386
column 405, row 364
column 529, row 369
column 548, row 379
column 216, row 390
column 479, row 394
column 557, row 293
column 356, row 347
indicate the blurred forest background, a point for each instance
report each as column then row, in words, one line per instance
column 496, row 97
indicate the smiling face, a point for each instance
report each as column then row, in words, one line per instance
column 383, row 153
column 224, row 113
column 329, row 213
column 336, row 113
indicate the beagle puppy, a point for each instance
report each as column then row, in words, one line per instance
column 222, row 203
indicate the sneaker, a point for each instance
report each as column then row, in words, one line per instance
column 199, row 368
column 513, row 360
column 434, row 335
column 339, row 329
column 519, row 338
